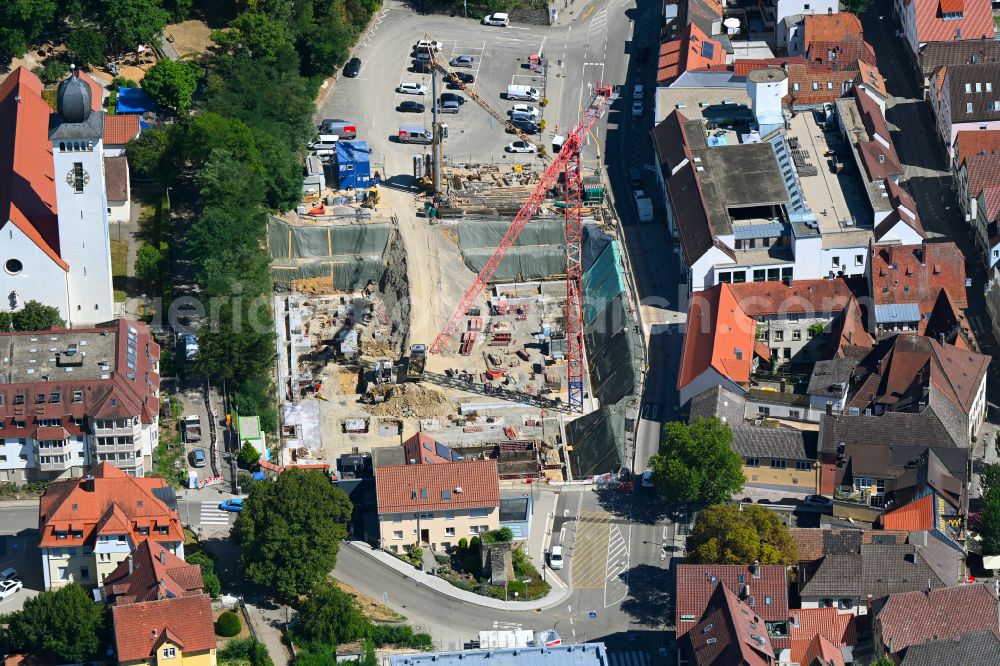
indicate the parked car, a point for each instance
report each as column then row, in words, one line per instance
column 352, row 68
column 638, row 91
column 190, row 343
column 556, row 558
column 817, row 501
column 501, row 19
column 462, row 61
column 234, row 504
column 9, row 588
column 198, row 458
column 409, row 106
column 8, row 573
column 635, row 178
column 526, row 126
column 425, row 44
column 421, row 67
column 451, row 97
column 411, row 88
column 637, row 109
column 464, row 77
column 647, row 479
column 521, row 147
column 449, row 106
column 525, row 109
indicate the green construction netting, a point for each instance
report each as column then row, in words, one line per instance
column 350, row 255
column 539, row 251
column 598, row 442
column 602, row 282
column 615, row 352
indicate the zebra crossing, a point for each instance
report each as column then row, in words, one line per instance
column 634, row 658
column 211, row 514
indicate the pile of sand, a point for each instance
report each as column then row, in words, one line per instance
column 410, row 400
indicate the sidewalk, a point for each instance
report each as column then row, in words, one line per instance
column 442, row 586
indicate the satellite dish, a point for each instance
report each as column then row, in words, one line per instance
column 731, row 22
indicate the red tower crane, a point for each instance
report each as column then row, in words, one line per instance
column 568, row 162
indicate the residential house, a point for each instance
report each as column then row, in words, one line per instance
column 828, row 387
column 904, row 620
column 436, row 504
column 963, row 98
column 938, row 511
column 778, row 458
column 976, row 172
column 902, row 226
column 850, row 582
column 76, row 398
column 117, row 189
column 150, row 573
column 821, row 633
column 935, row 55
column 926, row 21
column 978, row 647
column 762, row 588
column 775, row 13
column 823, row 27
column 692, row 50
column 720, row 403
column 88, row 526
column 906, row 282
column 53, row 206
column 119, row 129
column 815, row 83
column 730, row 633
column 812, row 544
column 719, row 345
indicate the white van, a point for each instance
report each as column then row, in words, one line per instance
column 324, row 142
column 523, row 92
column 415, row 135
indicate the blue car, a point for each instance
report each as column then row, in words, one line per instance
column 234, row 504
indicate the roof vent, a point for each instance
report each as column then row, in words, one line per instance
column 458, row 490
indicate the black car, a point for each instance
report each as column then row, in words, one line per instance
column 420, row 67
column 352, row 68
column 410, row 106
column 452, row 97
column 525, row 126
column 464, row 77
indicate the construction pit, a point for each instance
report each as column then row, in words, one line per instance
column 348, row 313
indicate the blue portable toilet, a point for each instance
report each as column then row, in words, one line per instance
column 353, row 165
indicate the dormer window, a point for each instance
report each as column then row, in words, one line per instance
column 143, row 531
column 163, row 529
column 61, row 534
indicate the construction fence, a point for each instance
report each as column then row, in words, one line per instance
column 349, row 255
column 539, row 252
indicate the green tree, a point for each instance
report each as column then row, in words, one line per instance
column 249, row 456
column 989, row 479
column 64, row 625
column 253, row 34
column 290, row 531
column 243, row 651
column 320, row 655
column 149, row 262
column 696, row 463
column 207, row 131
column 731, row 534
column 52, row 71
column 87, row 47
column 6, row 322
column 179, row 10
column 368, row 656
column 172, row 83
column 881, row 661
column 990, row 517
column 330, row 616
column 22, row 22
column 36, row 317
column 152, row 153
column 128, row 24
column 212, row 583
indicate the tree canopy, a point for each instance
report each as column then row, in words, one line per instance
column 64, row 625
column 33, row 317
column 731, row 534
column 696, row 463
column 87, row 47
column 172, row 83
column 290, row 531
column 330, row 617
column 248, row 456
column 130, row 23
column 21, row 23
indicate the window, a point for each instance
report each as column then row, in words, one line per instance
column 826, row 603
column 979, row 87
column 779, row 336
column 805, row 7
column 63, row 573
column 19, row 399
column 796, row 334
column 726, row 277
column 859, row 260
column 874, row 486
column 449, row 515
column 968, row 87
column 84, row 572
column 768, row 601
column 845, row 604
column 78, row 177
column 55, row 398
column 143, row 531
column 835, row 261
column 752, row 462
column 794, row 414
column 778, row 464
column 815, row 85
column 479, row 513
column 759, row 276
column 169, row 652
column 795, row 87
column 764, row 411
column 989, row 86
column 829, row 85
column 397, row 517
column 13, row 266
column 397, row 534
column 77, row 396
column 687, row 618
column 968, row 107
column 803, row 465
column 426, row 515
column 786, row 352
column 449, row 531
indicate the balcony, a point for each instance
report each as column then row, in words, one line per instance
column 50, row 465
column 53, row 449
column 115, row 430
column 865, row 497
column 132, row 448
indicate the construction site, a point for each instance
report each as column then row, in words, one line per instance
column 370, row 354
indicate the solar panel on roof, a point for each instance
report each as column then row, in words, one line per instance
column 708, row 49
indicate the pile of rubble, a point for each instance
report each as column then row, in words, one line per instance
column 409, row 400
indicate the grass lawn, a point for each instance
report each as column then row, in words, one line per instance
column 119, row 268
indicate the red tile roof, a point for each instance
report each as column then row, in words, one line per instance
column 112, row 503
column 840, row 27
column 837, row 630
column 982, row 171
column 976, row 21
column 744, row 66
column 27, row 177
column 916, row 516
column 822, row 652
column 420, row 487
column 904, row 210
column 719, row 336
column 915, row 273
column 846, row 54
column 695, row 584
column 120, row 128
column 693, row 50
column 912, row 618
column 762, row 299
column 869, row 75
column 974, row 142
column 151, row 573
column 849, row 330
column 139, row 628
column 730, row 632
column 878, row 153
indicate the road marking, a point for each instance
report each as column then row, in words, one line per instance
column 590, row 550
column 590, row 10
column 634, row 658
column 211, row 514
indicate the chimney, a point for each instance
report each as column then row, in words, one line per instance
column 163, row 556
column 941, row 338
column 131, row 565
column 829, row 408
column 784, row 385
column 88, row 483
column 795, row 620
column 756, row 569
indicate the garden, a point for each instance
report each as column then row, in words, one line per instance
column 463, row 569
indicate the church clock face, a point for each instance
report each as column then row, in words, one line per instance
column 77, row 177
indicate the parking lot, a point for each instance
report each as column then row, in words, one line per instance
column 501, row 58
column 20, row 552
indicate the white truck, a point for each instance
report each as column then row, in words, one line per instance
column 192, row 428
column 644, row 206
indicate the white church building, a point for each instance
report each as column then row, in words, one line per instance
column 54, row 239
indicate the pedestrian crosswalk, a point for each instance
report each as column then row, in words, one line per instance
column 211, row 514
column 634, row 658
